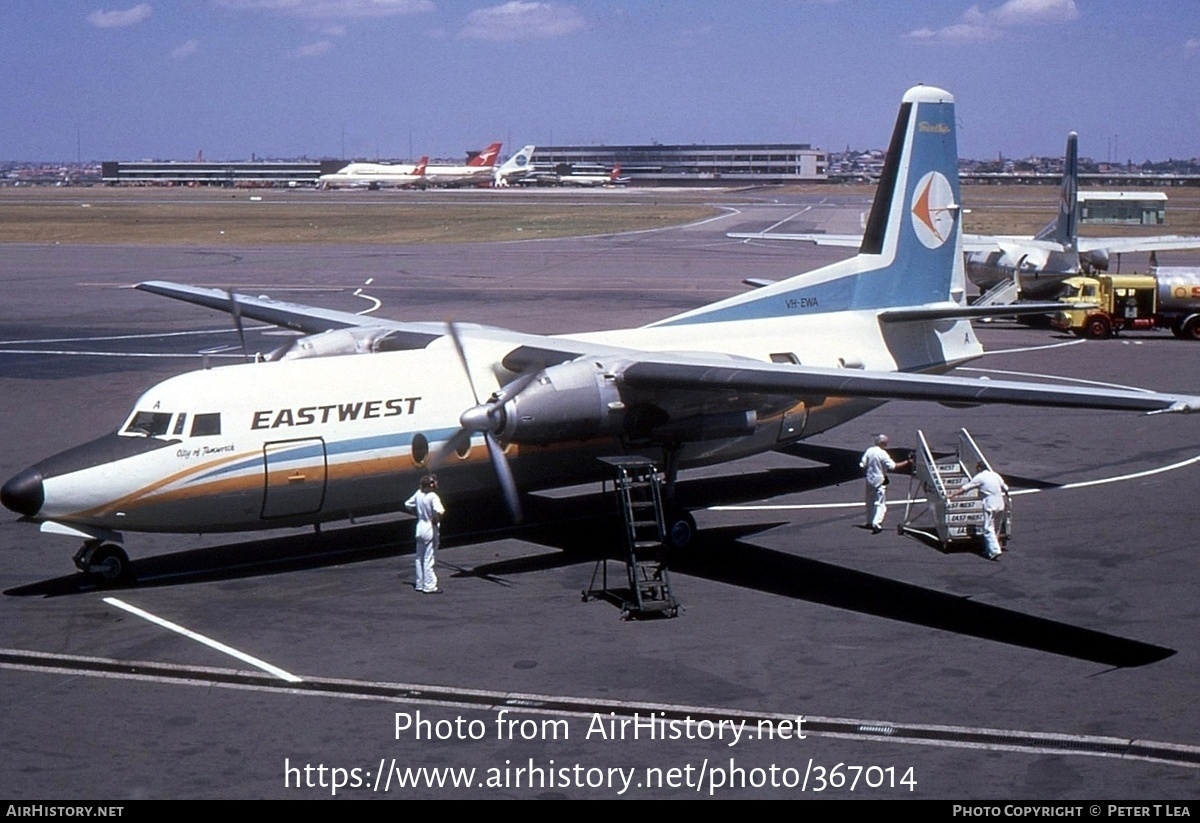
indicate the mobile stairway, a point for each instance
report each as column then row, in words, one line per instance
column 638, row 490
column 930, row 514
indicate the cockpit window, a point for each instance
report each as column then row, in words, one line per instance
column 179, row 423
column 149, row 424
column 204, row 425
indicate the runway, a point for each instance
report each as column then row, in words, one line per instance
column 810, row 655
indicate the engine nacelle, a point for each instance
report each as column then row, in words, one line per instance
column 1094, row 260
column 571, row 401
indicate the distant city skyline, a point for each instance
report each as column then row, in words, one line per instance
column 401, row 78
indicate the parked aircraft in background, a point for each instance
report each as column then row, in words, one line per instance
column 376, row 176
column 477, row 172
column 514, row 168
column 574, row 177
column 1028, row 267
column 341, row 422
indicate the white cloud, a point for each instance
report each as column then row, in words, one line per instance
column 1020, row 12
column 1191, row 45
column 185, row 50
column 312, row 50
column 956, row 33
column 521, row 20
column 975, row 24
column 336, row 9
column 120, row 18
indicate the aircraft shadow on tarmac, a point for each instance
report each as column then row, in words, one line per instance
column 579, row 533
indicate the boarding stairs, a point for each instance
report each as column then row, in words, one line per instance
column 1004, row 293
column 638, row 490
column 929, row 512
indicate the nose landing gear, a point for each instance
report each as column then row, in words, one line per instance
column 106, row 562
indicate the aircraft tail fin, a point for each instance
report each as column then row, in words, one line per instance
column 911, row 252
column 487, row 157
column 518, row 165
column 419, row 170
column 1065, row 228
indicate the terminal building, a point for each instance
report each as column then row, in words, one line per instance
column 689, row 165
column 1123, row 207
column 253, row 174
column 653, row 165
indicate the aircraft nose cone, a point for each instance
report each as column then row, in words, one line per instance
column 24, row 493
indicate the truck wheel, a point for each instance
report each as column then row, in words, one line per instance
column 1098, row 327
column 1191, row 329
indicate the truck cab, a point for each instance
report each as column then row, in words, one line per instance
column 1107, row 304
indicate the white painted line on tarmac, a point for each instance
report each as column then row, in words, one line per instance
column 787, row 219
column 1083, row 484
column 207, row 641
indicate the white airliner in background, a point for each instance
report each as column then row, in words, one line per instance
column 376, row 176
column 588, row 178
column 477, row 171
column 514, row 168
column 341, row 422
column 1036, row 265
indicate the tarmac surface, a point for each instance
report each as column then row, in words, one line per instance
column 1066, row 671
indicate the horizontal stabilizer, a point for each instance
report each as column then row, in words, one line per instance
column 955, row 311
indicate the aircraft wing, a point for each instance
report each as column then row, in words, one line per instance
column 1121, row 245
column 971, row 242
column 530, row 350
column 701, row 373
column 295, row 316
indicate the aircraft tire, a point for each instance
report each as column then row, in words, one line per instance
column 681, row 529
column 109, row 563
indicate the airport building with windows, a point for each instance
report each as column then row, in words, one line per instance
column 200, row 173
column 1123, row 207
column 653, row 165
column 689, row 165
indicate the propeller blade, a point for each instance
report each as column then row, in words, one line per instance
column 478, row 419
column 235, row 310
column 508, row 483
column 457, row 442
column 452, row 328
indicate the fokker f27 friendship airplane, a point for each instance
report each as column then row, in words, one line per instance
column 341, row 421
column 1039, row 263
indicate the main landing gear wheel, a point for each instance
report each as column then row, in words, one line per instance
column 107, row 562
column 681, row 529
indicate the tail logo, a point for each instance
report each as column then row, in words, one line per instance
column 933, row 210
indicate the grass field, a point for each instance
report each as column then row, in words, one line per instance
column 232, row 217
column 255, row 217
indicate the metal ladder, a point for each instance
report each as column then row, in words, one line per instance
column 958, row 521
column 638, row 488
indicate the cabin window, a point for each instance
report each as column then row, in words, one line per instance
column 149, row 424
column 206, row 425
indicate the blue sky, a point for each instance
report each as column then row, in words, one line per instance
column 125, row 80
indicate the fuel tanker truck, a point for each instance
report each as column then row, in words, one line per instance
column 1167, row 298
